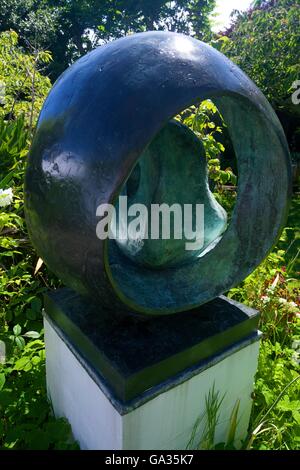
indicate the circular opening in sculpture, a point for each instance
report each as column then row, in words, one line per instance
column 169, row 211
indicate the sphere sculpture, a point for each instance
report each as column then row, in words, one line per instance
column 105, row 130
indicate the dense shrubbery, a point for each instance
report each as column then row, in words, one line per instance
column 25, row 415
column 23, row 87
column 273, row 289
column 64, row 26
column 265, row 43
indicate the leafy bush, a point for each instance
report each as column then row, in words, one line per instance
column 275, row 420
column 65, row 26
column 25, row 415
column 208, row 125
column 26, row 418
column 23, row 87
column 273, row 289
column 264, row 42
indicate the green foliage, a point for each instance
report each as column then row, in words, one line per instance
column 203, row 121
column 18, row 286
column 275, row 421
column 265, row 43
column 13, row 150
column 208, row 125
column 69, row 29
column 273, row 289
column 23, row 87
column 208, row 420
column 25, row 415
column 35, row 21
column 26, row 420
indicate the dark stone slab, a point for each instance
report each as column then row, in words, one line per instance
column 131, row 356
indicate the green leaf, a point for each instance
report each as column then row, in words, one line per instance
column 233, row 424
column 296, row 416
column 22, row 363
column 233, row 179
column 20, row 342
column 2, row 381
column 17, row 330
column 35, row 360
column 214, row 161
column 287, row 405
column 7, row 179
column 224, row 177
column 32, row 334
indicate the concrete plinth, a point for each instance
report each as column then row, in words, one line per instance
column 151, row 394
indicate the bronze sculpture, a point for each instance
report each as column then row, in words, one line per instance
column 102, row 118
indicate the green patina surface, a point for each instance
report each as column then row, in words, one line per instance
column 174, row 162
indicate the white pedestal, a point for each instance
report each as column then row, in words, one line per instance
column 163, row 422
